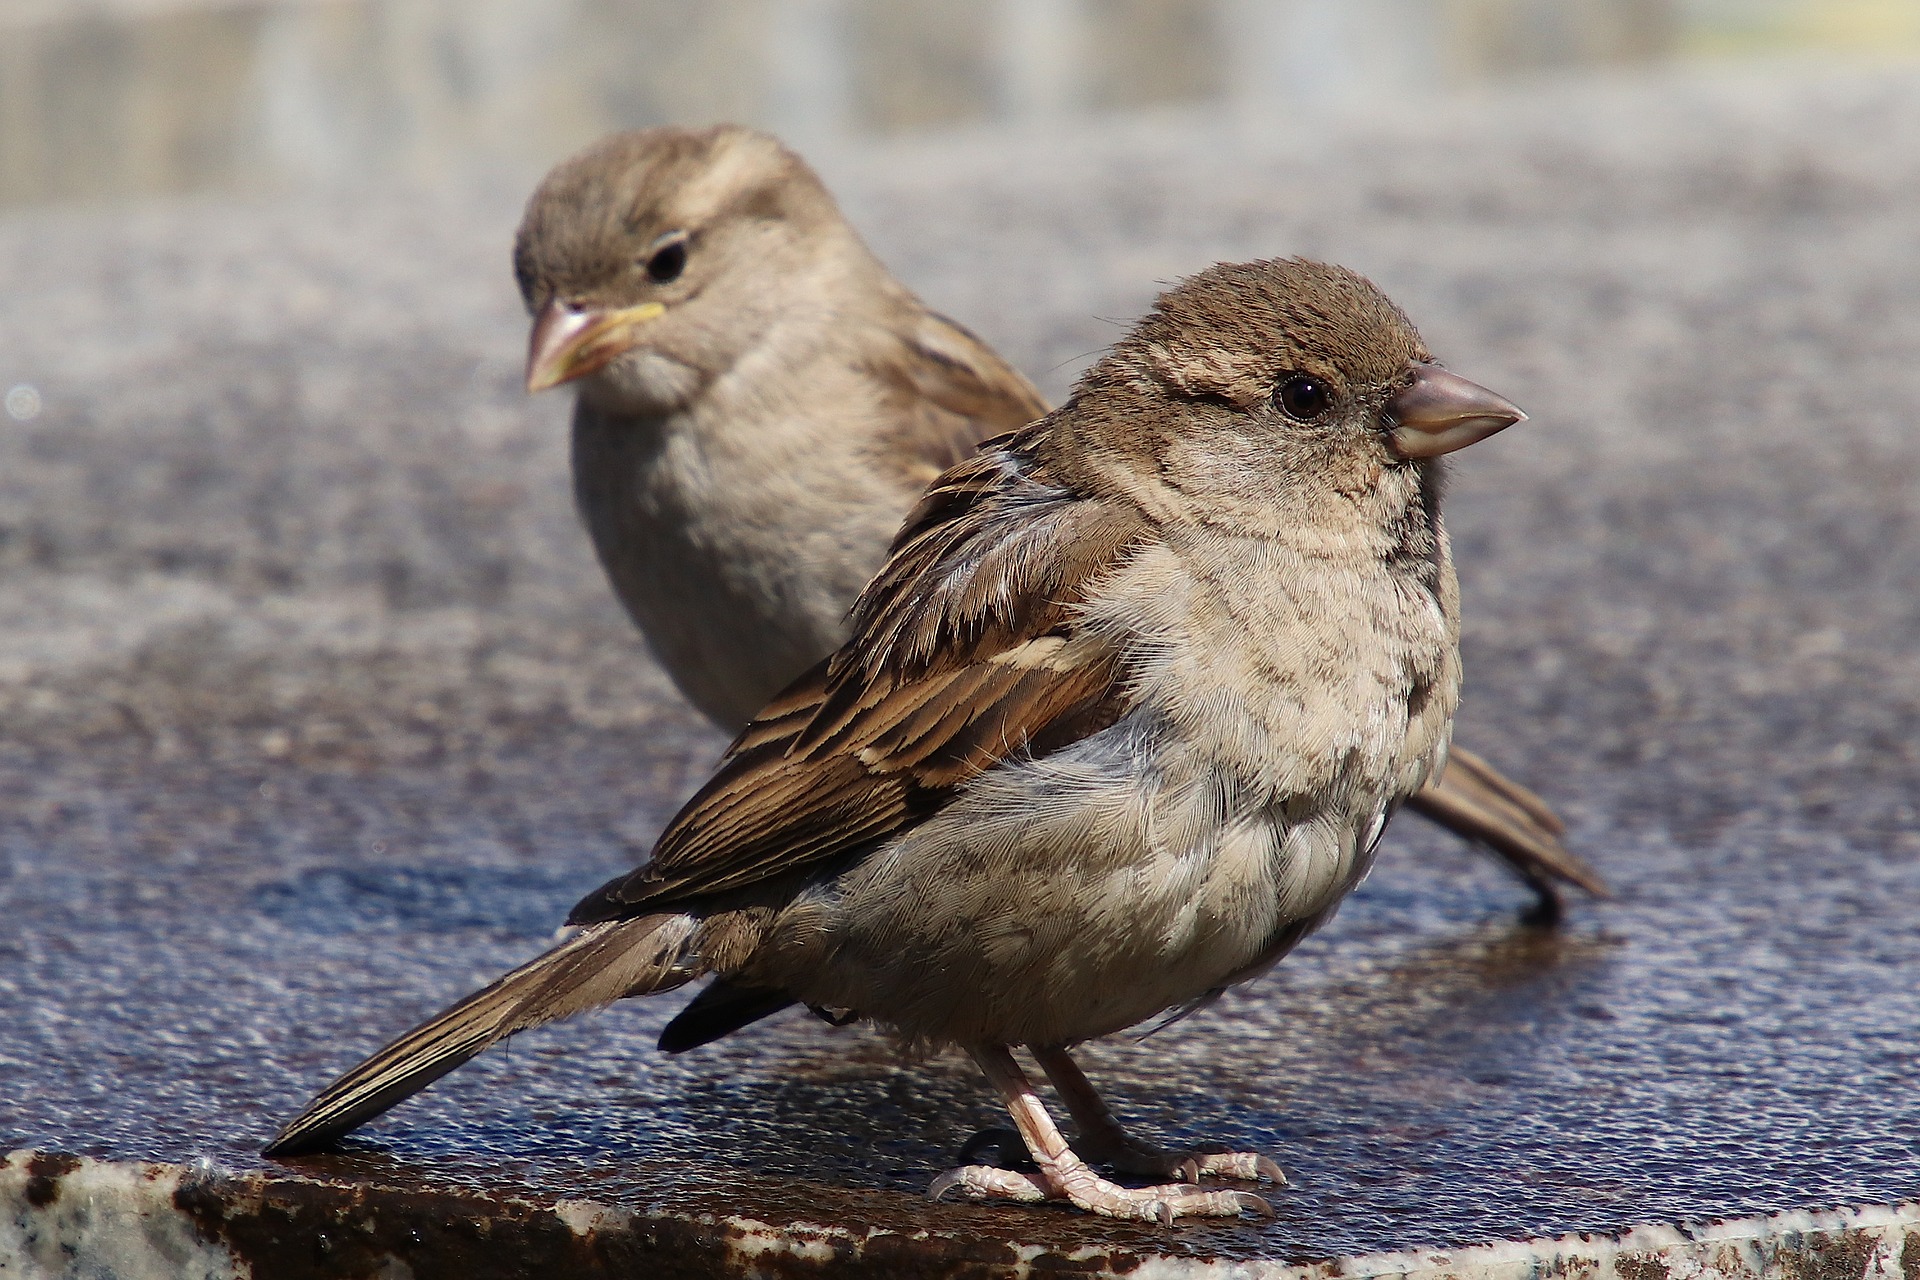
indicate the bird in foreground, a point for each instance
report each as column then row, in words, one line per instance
column 761, row 403
column 1120, row 722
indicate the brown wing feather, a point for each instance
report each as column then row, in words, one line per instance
column 946, row 392
column 964, row 653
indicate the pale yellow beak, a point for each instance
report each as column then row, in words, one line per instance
column 1439, row 412
column 570, row 342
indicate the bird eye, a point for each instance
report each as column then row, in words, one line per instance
column 1303, row 397
column 668, row 260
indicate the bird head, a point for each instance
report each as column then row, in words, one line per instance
column 1261, row 384
column 654, row 261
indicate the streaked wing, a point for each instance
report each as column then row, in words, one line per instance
column 946, row 392
column 966, row 650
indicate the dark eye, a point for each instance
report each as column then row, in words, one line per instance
column 666, row 263
column 1303, row 396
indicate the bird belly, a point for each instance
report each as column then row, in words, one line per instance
column 1063, row 899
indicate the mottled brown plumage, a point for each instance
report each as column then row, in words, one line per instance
column 957, row 660
column 747, row 440
column 759, row 400
column 1119, row 723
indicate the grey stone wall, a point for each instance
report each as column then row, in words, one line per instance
column 143, row 96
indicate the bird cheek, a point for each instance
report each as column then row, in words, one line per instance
column 1362, row 475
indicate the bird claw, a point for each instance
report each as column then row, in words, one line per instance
column 1248, row 1166
column 1129, row 1154
column 1083, row 1189
column 985, row 1182
column 1256, row 1205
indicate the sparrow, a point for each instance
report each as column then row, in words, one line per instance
column 759, row 405
column 1119, row 722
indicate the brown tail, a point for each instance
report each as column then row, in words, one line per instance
column 594, row 968
column 1475, row 800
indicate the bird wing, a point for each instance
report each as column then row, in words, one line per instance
column 967, row 649
column 946, row 392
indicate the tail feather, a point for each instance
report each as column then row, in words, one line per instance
column 597, row 967
column 1477, row 801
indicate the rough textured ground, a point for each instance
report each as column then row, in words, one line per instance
column 316, row 711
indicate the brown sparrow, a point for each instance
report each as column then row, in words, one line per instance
column 1120, row 721
column 761, row 402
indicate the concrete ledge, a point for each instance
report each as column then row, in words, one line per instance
column 63, row 1215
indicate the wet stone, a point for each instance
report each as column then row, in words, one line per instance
column 317, row 714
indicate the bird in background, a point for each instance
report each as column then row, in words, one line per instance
column 760, row 402
column 1118, row 723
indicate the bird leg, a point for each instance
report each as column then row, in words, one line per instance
column 1104, row 1141
column 1062, row 1175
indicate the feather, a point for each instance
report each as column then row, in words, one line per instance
column 594, row 968
column 1479, row 803
column 946, row 675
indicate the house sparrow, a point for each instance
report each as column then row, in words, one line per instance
column 761, row 402
column 1120, row 721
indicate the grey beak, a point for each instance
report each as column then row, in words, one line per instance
column 1439, row 412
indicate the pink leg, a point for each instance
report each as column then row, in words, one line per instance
column 1104, row 1141
column 1062, row 1175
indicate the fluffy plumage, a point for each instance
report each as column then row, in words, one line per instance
column 751, row 428
column 1120, row 721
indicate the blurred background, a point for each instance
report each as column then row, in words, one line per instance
column 120, row 97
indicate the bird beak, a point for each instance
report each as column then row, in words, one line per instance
column 570, row 342
column 1439, row 412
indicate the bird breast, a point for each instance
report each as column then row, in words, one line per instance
column 1316, row 674
column 1183, row 848
column 734, row 540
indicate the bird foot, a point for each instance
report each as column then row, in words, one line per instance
column 1125, row 1153
column 1080, row 1186
column 1122, row 1152
column 1060, row 1173
column 1103, row 1139
column 1248, row 1166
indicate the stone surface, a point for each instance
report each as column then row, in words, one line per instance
column 136, row 1221
column 317, row 714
